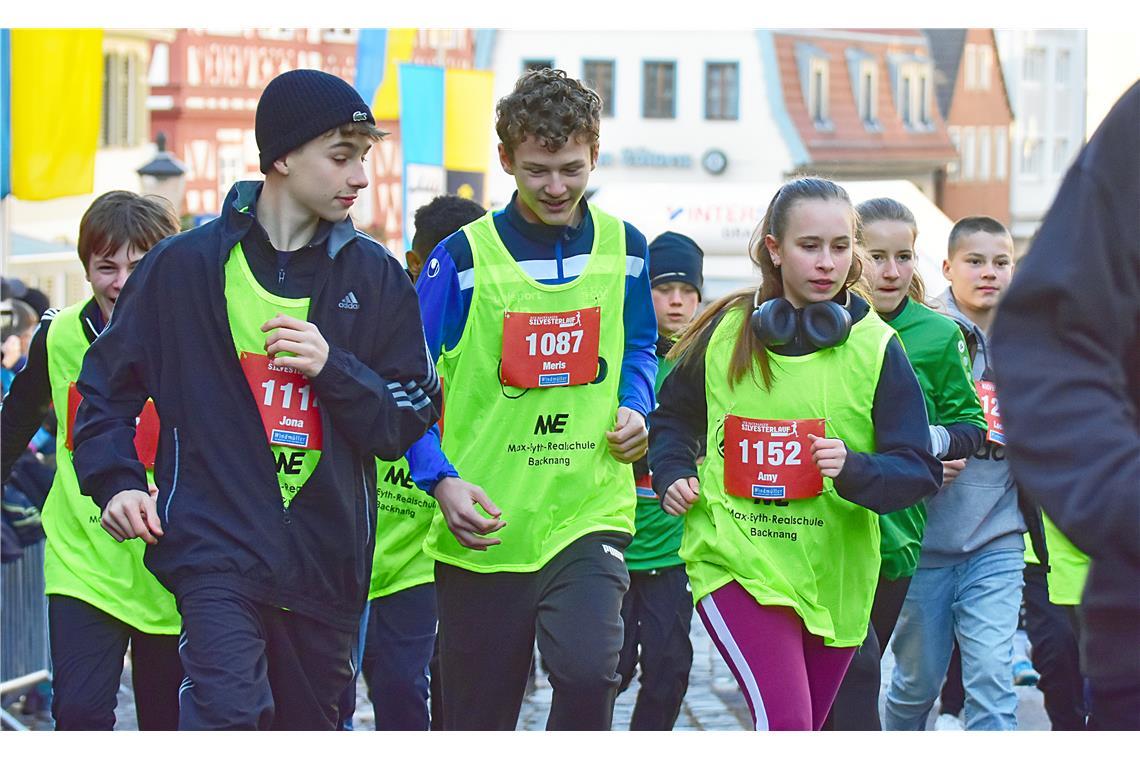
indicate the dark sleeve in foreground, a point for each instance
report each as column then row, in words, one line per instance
column 902, row 471
column 113, row 384
column 679, row 424
column 384, row 409
column 1067, row 348
column 965, row 439
column 26, row 404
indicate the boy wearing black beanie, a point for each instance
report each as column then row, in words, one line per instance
column 284, row 353
column 658, row 607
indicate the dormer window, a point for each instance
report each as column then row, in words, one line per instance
column 814, row 70
column 912, row 77
column 817, row 99
column 863, row 70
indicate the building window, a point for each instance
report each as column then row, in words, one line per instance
column 1061, row 71
column 658, row 88
column 1031, row 159
column 534, row 64
column 924, row 99
column 1060, row 155
column 985, row 66
column 984, row 154
column 818, row 92
column 1033, row 69
column 1001, row 152
column 868, row 93
column 599, row 75
column 971, row 67
column 722, row 91
column 123, row 119
column 905, row 100
column 912, row 100
column 969, row 153
column 954, row 170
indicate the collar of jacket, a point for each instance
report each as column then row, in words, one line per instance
column 237, row 219
column 544, row 233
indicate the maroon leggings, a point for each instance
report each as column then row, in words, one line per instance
column 788, row 676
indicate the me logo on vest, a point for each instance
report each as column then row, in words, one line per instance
column 349, row 301
column 399, row 477
column 550, row 423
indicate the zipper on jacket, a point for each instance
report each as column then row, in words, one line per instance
column 173, row 485
column 364, row 493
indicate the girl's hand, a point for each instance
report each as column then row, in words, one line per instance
column 829, row 455
column 680, row 496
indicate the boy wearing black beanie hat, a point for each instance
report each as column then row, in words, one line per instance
column 284, row 353
column 658, row 607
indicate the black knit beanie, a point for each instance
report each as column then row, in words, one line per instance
column 299, row 105
column 674, row 257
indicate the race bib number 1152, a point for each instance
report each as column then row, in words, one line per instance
column 771, row 459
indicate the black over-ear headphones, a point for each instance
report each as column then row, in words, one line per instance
column 823, row 325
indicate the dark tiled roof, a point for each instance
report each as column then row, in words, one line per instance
column 946, row 46
column 847, row 140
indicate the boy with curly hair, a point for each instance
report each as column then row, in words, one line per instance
column 542, row 323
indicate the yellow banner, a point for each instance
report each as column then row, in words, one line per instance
column 386, row 104
column 468, row 112
column 57, row 96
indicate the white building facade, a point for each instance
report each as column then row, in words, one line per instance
column 1045, row 74
column 678, row 107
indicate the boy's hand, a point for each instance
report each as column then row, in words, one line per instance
column 950, row 470
column 829, row 455
column 456, row 499
column 629, row 440
column 302, row 339
column 132, row 514
column 680, row 496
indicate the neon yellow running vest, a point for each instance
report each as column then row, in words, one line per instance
column 1068, row 565
column 819, row 556
column 404, row 514
column 81, row 560
column 541, row 457
column 248, row 307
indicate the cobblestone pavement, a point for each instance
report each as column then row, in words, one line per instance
column 713, row 701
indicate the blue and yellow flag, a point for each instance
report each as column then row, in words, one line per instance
column 56, row 95
column 421, row 132
column 371, row 48
column 468, row 113
column 5, row 115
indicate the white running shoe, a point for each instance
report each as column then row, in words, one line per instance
column 948, row 722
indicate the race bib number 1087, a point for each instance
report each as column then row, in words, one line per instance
column 550, row 350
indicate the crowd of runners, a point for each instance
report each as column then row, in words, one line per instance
column 284, row 460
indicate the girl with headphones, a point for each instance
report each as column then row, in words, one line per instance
column 937, row 352
column 814, row 424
